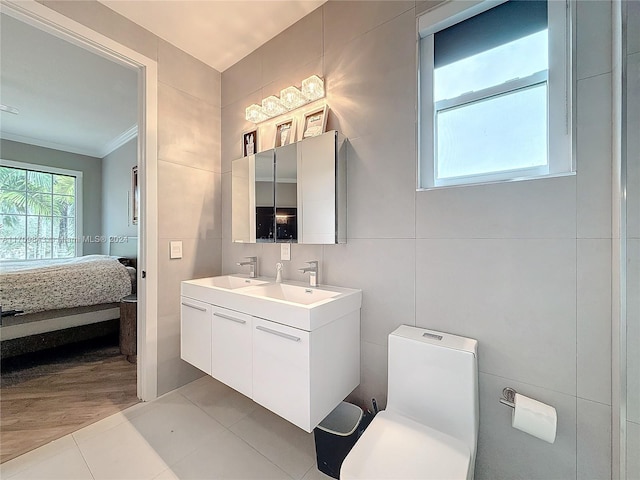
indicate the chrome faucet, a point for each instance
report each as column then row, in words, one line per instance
column 253, row 266
column 313, row 272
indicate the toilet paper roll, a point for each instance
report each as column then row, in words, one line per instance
column 535, row 418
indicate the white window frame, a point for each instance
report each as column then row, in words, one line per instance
column 78, row 205
column 559, row 80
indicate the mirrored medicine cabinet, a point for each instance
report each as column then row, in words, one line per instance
column 295, row 193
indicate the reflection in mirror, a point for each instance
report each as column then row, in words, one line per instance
column 252, row 205
column 286, row 194
column 265, row 197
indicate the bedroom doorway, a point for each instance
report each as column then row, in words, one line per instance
column 49, row 21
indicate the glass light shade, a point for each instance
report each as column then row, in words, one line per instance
column 272, row 106
column 292, row 98
column 254, row 114
column 313, row 87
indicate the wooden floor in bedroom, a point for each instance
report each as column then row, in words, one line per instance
column 46, row 397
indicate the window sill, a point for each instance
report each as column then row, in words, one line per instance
column 494, row 182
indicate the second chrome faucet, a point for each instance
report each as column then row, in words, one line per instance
column 312, row 269
column 253, row 266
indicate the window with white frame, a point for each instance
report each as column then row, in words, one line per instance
column 494, row 92
column 39, row 211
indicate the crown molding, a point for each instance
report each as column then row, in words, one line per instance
column 114, row 144
column 120, row 140
column 52, row 145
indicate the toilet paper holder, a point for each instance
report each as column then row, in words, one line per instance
column 508, row 397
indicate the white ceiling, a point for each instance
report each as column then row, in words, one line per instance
column 73, row 100
column 69, row 99
column 217, row 32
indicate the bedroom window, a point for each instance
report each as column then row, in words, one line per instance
column 39, row 211
column 494, row 92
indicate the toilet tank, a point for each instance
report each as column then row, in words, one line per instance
column 433, row 379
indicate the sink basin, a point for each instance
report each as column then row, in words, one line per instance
column 294, row 304
column 228, row 282
column 291, row 293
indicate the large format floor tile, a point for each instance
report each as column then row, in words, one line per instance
column 204, row 430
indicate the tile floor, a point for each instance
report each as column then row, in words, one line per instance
column 203, row 430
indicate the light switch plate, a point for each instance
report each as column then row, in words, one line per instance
column 285, row 251
column 175, row 249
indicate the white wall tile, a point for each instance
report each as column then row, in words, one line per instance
column 516, row 297
column 188, row 202
column 594, row 157
column 541, row 208
column 242, row 78
column 188, row 130
column 293, row 47
column 200, row 258
column 594, row 440
column 633, row 330
column 300, row 255
column 346, row 20
column 633, row 447
column 371, row 81
column 633, row 144
column 173, row 372
column 186, row 73
column 384, row 270
column 593, row 38
column 381, row 179
column 374, row 370
column 505, row 453
column 233, row 125
column 633, row 28
column 594, row 320
column 423, row 6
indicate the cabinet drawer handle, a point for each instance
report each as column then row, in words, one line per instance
column 202, row 309
column 276, row 332
column 227, row 317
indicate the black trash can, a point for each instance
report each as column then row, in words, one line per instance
column 335, row 437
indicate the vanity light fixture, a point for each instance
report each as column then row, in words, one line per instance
column 254, row 113
column 271, row 106
column 290, row 99
column 313, row 87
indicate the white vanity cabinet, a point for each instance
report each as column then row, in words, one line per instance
column 195, row 333
column 281, row 374
column 231, row 349
column 297, row 360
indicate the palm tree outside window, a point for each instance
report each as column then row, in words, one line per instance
column 38, row 214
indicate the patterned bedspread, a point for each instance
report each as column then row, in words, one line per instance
column 49, row 285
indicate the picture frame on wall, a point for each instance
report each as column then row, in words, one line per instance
column 285, row 133
column 135, row 196
column 249, row 142
column 315, row 122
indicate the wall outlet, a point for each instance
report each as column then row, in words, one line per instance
column 285, row 251
column 175, row 249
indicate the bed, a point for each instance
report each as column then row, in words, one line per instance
column 63, row 301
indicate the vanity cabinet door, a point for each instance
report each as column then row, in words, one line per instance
column 281, row 379
column 195, row 333
column 231, row 353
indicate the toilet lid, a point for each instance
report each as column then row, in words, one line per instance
column 395, row 447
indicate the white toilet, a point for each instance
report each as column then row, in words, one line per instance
column 430, row 427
